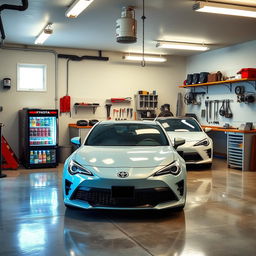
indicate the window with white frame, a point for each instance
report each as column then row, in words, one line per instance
column 31, row 77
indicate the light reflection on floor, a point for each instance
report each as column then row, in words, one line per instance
column 219, row 219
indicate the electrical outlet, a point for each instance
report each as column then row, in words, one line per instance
column 1, row 108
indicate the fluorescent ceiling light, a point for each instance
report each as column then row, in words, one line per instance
column 77, row 7
column 182, row 46
column 146, row 58
column 42, row 37
column 227, row 9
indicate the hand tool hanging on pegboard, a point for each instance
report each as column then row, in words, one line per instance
column 108, row 107
column 228, row 113
column 207, row 113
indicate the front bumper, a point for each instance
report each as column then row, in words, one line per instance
column 159, row 192
column 196, row 155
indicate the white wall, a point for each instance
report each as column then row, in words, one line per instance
column 12, row 100
column 229, row 61
column 94, row 81
column 89, row 81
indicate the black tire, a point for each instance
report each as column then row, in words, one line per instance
column 179, row 208
column 208, row 166
column 70, row 207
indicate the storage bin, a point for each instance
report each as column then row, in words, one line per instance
column 247, row 72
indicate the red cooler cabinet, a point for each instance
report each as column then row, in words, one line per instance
column 38, row 137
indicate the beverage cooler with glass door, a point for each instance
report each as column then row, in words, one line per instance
column 38, row 137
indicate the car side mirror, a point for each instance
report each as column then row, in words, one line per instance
column 178, row 142
column 76, row 141
column 207, row 129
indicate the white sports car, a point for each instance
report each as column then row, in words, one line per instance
column 125, row 165
column 198, row 148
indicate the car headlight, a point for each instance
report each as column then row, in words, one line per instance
column 173, row 168
column 75, row 168
column 204, row 142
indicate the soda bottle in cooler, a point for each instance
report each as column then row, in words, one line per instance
column 51, row 121
column 41, row 132
column 48, row 156
column 35, row 157
column 53, row 156
column 40, row 158
column 46, row 132
column 49, row 132
column 46, row 120
column 31, row 160
column 44, row 157
column 32, row 122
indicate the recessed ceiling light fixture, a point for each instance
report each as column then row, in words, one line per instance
column 148, row 58
column 227, row 9
column 182, row 46
column 46, row 32
column 77, row 7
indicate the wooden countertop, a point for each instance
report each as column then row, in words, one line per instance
column 221, row 129
column 79, row 127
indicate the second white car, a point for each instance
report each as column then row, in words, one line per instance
column 198, row 148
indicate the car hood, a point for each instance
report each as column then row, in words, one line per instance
column 188, row 136
column 133, row 157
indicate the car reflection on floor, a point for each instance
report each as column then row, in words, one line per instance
column 118, row 233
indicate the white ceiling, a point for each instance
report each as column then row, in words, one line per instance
column 172, row 20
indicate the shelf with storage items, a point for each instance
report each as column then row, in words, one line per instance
column 228, row 83
column 146, row 105
column 93, row 106
column 146, row 102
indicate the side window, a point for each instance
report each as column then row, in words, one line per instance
column 31, row 77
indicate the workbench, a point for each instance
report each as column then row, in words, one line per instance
column 240, row 147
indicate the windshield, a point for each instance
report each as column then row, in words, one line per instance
column 127, row 134
column 180, row 125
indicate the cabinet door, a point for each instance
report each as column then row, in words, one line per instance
column 235, row 150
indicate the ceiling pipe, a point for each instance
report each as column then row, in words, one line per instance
column 22, row 7
column 2, row 29
column 85, row 57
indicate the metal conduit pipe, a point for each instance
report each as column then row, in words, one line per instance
column 2, row 29
column 45, row 51
column 22, row 7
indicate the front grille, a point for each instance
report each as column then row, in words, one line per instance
column 142, row 197
column 192, row 157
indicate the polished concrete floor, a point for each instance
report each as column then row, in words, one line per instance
column 219, row 219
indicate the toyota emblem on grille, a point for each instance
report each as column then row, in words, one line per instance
column 122, row 174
